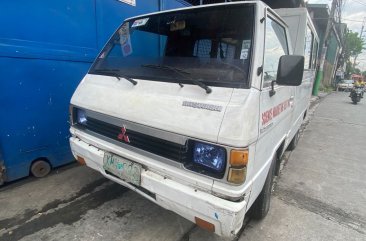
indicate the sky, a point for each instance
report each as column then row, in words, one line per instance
column 353, row 13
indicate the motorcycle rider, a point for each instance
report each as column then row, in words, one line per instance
column 358, row 84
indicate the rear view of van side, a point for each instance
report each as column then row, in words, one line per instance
column 192, row 109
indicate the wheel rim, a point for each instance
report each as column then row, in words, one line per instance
column 40, row 168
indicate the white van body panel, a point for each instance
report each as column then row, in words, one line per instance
column 155, row 104
column 298, row 20
column 240, row 124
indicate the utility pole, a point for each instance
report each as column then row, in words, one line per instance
column 323, row 50
column 363, row 25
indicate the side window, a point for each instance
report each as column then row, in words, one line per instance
column 308, row 50
column 275, row 46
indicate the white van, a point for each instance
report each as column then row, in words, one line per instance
column 192, row 109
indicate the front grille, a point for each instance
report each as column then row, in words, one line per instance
column 160, row 147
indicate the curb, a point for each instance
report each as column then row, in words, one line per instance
column 316, row 99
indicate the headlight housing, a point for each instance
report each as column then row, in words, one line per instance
column 81, row 117
column 209, row 156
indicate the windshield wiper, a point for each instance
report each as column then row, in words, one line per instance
column 116, row 73
column 180, row 72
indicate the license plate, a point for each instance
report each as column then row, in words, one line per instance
column 124, row 169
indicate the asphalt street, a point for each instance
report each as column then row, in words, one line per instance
column 319, row 195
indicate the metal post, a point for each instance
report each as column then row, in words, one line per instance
column 320, row 73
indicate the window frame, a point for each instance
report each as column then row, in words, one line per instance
column 239, row 85
column 274, row 18
column 310, row 65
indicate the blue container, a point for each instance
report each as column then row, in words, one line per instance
column 46, row 47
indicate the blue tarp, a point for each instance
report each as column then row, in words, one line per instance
column 46, row 47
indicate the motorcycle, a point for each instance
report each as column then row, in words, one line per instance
column 356, row 94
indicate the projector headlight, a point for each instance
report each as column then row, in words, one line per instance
column 81, row 117
column 210, row 156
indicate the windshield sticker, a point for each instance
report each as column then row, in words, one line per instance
column 246, row 44
column 139, row 22
column 244, row 54
column 245, row 49
column 125, row 40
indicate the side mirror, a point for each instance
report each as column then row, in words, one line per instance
column 290, row 70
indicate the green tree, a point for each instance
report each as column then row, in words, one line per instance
column 353, row 46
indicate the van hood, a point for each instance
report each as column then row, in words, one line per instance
column 187, row 110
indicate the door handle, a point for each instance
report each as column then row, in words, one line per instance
column 292, row 98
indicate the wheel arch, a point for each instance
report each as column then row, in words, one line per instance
column 279, row 152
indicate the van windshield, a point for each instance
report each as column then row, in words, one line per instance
column 210, row 44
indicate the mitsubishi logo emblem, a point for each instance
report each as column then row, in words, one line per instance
column 122, row 136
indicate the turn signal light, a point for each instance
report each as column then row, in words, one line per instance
column 81, row 160
column 204, row 224
column 239, row 158
column 237, row 175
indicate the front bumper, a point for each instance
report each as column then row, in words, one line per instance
column 185, row 200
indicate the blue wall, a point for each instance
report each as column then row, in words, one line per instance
column 46, row 47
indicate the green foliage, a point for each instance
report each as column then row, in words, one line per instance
column 353, row 47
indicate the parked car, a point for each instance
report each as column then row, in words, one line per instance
column 197, row 118
column 345, row 85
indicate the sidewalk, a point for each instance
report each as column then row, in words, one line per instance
column 315, row 99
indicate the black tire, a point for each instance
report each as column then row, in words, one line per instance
column 294, row 141
column 40, row 168
column 354, row 100
column 262, row 204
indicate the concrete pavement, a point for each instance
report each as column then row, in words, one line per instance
column 321, row 192
column 320, row 195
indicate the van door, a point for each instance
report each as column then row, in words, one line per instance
column 276, row 110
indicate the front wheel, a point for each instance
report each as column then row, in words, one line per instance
column 262, row 203
column 354, row 100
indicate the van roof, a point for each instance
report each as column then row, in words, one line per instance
column 199, row 6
